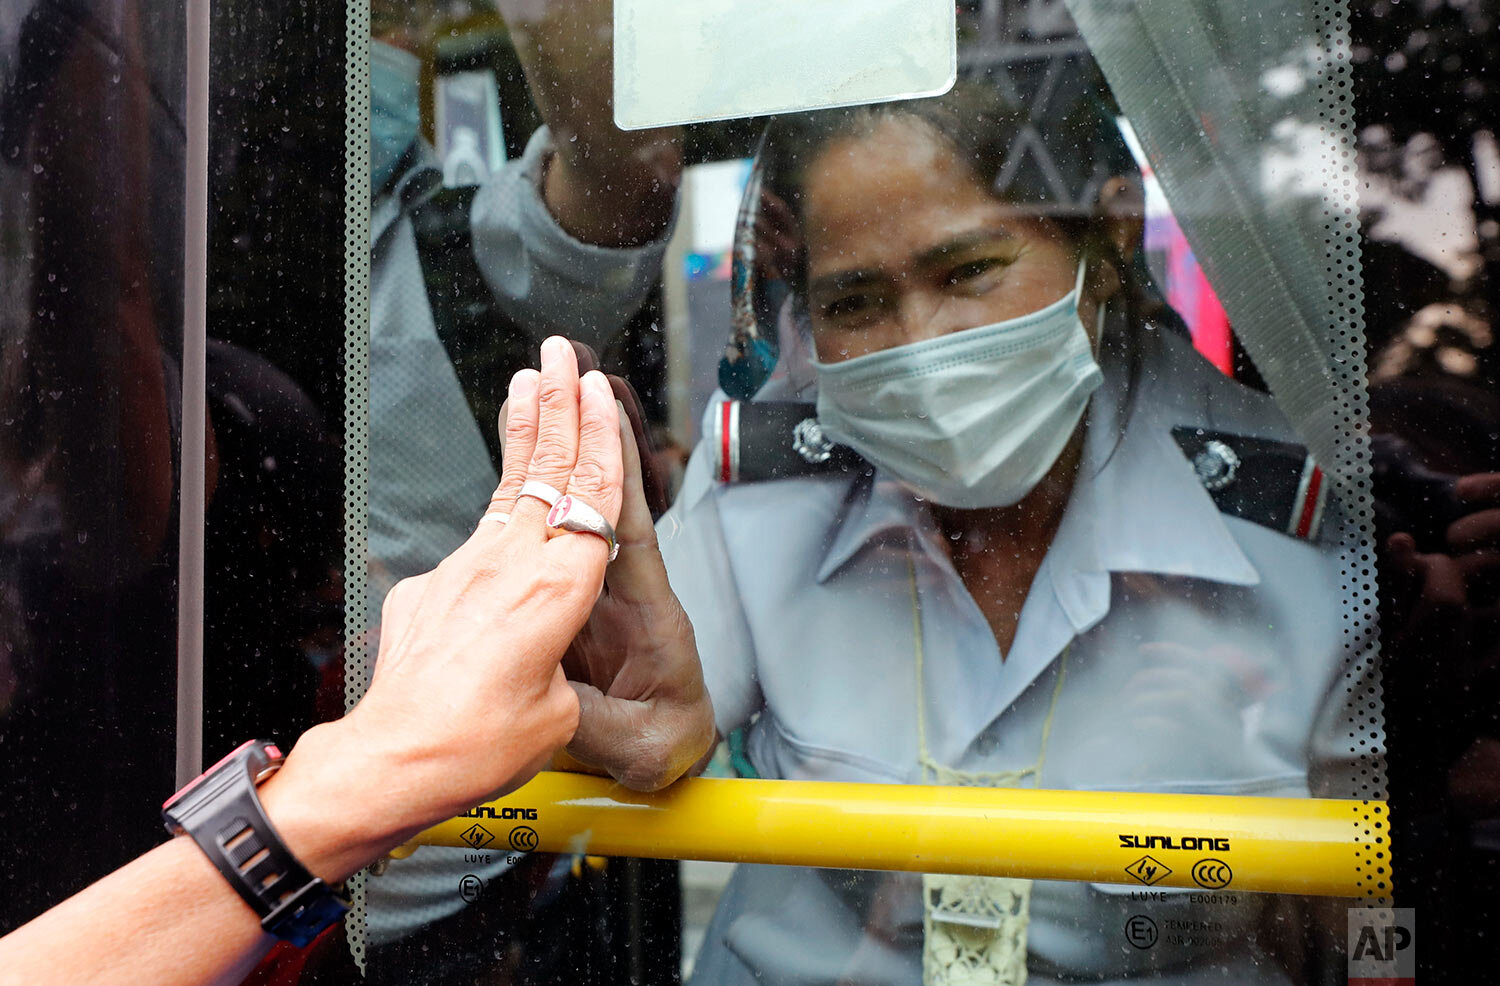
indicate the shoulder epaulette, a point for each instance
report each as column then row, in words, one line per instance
column 755, row 441
column 1267, row 482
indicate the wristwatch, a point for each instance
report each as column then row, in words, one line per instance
column 223, row 814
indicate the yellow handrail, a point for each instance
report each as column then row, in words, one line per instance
column 1211, row 843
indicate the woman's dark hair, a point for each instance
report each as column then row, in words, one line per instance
column 974, row 120
column 983, row 127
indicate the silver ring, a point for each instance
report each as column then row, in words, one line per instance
column 576, row 517
column 541, row 491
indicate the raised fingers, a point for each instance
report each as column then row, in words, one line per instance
column 636, row 525
column 556, row 449
column 598, row 471
column 651, row 481
column 1480, row 529
column 639, row 574
column 518, row 427
column 1478, row 487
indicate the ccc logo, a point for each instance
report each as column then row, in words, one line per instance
column 1212, row 874
column 523, row 838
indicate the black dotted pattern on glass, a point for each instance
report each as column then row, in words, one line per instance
column 356, row 392
column 1351, row 470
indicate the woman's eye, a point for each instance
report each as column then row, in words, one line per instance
column 849, row 306
column 971, row 270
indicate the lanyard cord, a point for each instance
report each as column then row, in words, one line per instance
column 939, row 773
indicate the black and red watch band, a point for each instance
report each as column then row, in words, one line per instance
column 223, row 814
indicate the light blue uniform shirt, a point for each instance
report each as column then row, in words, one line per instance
column 430, row 470
column 1204, row 654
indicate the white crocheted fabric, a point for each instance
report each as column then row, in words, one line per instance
column 974, row 930
column 974, row 927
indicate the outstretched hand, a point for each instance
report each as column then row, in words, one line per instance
column 646, row 718
column 469, row 699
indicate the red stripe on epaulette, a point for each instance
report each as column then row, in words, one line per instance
column 1307, row 510
column 726, row 440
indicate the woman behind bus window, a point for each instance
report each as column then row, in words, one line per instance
column 1081, row 557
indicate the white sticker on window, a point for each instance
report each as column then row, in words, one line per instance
column 686, row 62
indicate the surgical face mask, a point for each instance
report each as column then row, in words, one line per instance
column 395, row 114
column 972, row 419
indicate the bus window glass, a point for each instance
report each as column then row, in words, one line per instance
column 977, row 480
column 1060, row 530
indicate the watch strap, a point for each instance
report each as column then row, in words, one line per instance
column 223, row 814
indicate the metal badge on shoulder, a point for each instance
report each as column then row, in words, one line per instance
column 756, row 441
column 1267, row 482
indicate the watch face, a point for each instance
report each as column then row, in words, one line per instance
column 264, row 756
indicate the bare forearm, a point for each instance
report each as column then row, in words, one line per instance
column 468, row 699
column 168, row 918
column 606, row 186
